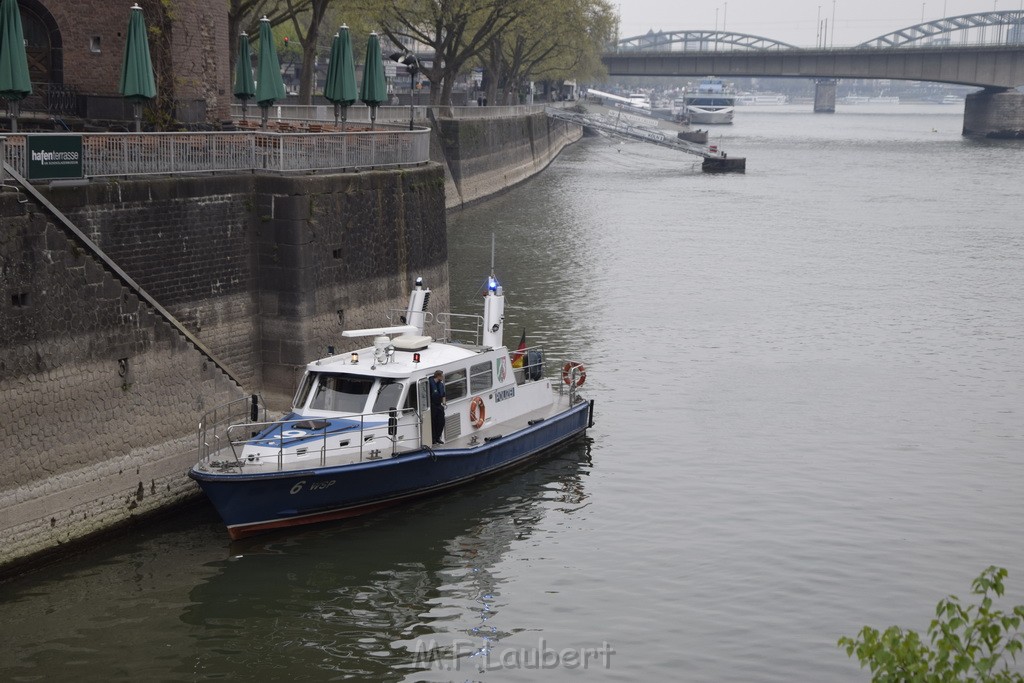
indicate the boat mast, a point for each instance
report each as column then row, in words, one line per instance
column 419, row 297
column 494, row 309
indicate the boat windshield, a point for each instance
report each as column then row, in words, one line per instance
column 340, row 393
column 388, row 395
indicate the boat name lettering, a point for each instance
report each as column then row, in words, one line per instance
column 315, row 486
column 503, row 394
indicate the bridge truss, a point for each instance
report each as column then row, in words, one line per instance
column 964, row 24
column 971, row 27
column 699, row 41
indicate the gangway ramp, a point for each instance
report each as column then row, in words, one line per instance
column 631, row 126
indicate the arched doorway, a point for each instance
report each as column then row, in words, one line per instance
column 43, row 45
column 44, row 49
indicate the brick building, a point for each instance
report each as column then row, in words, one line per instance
column 75, row 49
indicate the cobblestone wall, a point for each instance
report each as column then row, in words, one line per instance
column 101, row 396
column 98, row 393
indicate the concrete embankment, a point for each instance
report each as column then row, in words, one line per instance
column 101, row 390
column 483, row 157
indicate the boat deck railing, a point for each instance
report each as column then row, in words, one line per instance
column 461, row 327
column 213, row 425
column 222, row 447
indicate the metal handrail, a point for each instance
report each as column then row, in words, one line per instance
column 445, row 320
column 222, row 414
column 395, row 114
column 230, row 439
column 126, row 154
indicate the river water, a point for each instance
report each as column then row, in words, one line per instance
column 809, row 382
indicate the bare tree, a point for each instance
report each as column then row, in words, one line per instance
column 554, row 41
column 308, row 39
column 456, row 31
column 244, row 15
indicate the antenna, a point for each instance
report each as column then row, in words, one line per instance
column 492, row 254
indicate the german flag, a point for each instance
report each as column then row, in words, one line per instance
column 517, row 357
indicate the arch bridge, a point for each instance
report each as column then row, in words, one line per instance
column 988, row 52
column 700, row 40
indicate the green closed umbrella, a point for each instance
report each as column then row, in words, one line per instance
column 138, row 84
column 269, row 85
column 245, row 86
column 340, row 87
column 15, row 84
column 375, row 88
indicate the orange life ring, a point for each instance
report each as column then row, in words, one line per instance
column 477, row 413
column 573, row 368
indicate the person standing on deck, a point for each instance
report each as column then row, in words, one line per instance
column 438, row 401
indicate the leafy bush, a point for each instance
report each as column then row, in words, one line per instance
column 973, row 643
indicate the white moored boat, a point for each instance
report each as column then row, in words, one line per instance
column 711, row 102
column 358, row 436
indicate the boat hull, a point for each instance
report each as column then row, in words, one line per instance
column 723, row 116
column 254, row 503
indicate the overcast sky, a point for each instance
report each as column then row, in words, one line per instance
column 795, row 21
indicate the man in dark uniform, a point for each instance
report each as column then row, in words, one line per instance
column 438, row 402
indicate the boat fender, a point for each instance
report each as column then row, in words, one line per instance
column 533, row 422
column 574, row 374
column 488, row 439
column 477, row 413
column 534, row 364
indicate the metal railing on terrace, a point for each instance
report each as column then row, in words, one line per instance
column 360, row 116
column 124, row 154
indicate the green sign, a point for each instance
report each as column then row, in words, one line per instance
column 54, row 156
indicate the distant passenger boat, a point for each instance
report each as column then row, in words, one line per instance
column 880, row 99
column 952, row 99
column 751, row 99
column 712, row 102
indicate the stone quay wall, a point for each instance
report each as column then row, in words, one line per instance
column 486, row 156
column 101, row 395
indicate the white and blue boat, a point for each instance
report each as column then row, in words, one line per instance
column 358, row 436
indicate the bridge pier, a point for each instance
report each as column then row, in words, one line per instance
column 825, row 96
column 994, row 113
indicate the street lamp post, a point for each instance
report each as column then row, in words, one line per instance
column 409, row 61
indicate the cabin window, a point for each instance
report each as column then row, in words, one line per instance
column 387, row 396
column 341, row 393
column 455, row 385
column 480, row 378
